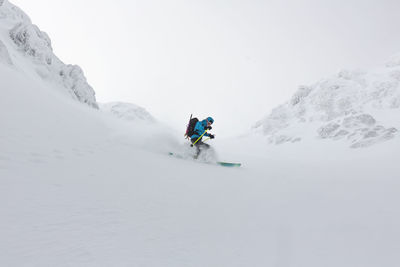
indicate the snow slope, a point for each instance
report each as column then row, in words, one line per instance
column 127, row 111
column 81, row 188
column 362, row 108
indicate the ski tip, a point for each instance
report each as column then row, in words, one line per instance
column 229, row 164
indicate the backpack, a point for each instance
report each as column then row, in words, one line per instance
column 190, row 127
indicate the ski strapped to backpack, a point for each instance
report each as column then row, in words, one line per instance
column 190, row 126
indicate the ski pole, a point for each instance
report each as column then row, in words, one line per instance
column 207, row 139
column 199, row 138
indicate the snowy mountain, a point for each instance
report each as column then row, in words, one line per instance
column 127, row 111
column 359, row 107
column 24, row 47
column 81, row 188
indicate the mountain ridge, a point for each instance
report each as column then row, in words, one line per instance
column 26, row 48
column 351, row 105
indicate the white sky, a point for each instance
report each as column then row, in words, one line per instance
column 233, row 60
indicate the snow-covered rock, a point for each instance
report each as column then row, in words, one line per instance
column 32, row 52
column 358, row 106
column 32, row 41
column 127, row 111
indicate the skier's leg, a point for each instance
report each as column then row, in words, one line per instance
column 200, row 146
column 197, row 147
column 205, row 146
column 197, row 151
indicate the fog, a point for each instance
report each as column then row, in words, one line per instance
column 232, row 60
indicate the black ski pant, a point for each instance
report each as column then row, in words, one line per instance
column 200, row 145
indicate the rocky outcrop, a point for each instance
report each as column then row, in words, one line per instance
column 33, row 45
column 355, row 106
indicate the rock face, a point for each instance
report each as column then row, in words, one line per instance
column 357, row 106
column 31, row 49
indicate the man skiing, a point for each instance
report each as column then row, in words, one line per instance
column 199, row 131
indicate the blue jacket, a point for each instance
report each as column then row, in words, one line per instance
column 199, row 129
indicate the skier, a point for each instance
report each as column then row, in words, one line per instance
column 200, row 131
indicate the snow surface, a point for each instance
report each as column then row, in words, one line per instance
column 79, row 187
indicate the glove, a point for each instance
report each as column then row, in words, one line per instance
column 211, row 136
column 209, row 127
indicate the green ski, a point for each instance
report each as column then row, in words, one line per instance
column 229, row 164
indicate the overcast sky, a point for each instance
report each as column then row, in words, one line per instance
column 233, row 60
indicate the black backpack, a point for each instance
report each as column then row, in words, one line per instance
column 190, row 127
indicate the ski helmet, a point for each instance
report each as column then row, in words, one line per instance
column 210, row 120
